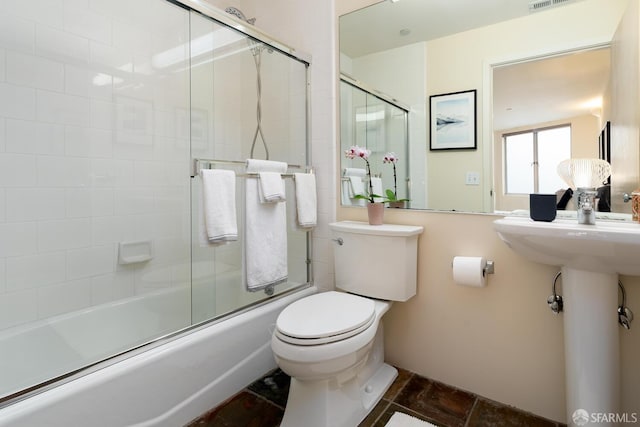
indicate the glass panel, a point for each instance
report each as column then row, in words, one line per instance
column 554, row 146
column 352, row 132
column 94, row 224
column 238, row 84
column 518, row 163
column 381, row 127
column 397, row 143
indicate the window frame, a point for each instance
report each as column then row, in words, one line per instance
column 535, row 164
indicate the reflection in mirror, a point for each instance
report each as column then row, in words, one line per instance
column 378, row 124
column 542, row 117
column 386, row 46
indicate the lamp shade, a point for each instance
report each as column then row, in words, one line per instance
column 584, row 173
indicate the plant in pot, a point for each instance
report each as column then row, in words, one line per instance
column 375, row 202
column 392, row 195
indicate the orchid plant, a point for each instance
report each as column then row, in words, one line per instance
column 392, row 195
column 355, row 152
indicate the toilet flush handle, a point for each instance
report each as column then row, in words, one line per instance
column 339, row 241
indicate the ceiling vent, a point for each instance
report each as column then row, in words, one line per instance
column 538, row 5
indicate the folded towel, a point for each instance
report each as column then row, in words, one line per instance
column 256, row 166
column 265, row 248
column 306, row 200
column 376, row 185
column 219, row 205
column 271, row 187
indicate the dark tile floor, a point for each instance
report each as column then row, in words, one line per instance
column 262, row 405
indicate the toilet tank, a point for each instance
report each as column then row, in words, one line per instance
column 378, row 261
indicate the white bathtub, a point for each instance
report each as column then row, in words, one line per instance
column 167, row 385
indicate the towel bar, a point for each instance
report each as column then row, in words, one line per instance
column 199, row 163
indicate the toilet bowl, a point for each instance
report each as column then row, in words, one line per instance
column 337, row 372
column 331, row 343
column 311, row 351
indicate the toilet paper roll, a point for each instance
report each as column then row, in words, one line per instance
column 469, row 271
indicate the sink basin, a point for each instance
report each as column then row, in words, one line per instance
column 606, row 247
column 591, row 257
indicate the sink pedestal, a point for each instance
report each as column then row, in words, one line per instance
column 591, row 258
column 591, row 343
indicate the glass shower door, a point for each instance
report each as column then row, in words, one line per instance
column 94, row 189
column 248, row 99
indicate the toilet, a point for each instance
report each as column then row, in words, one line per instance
column 331, row 343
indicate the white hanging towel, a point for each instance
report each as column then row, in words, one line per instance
column 265, row 248
column 271, row 187
column 376, row 185
column 306, row 200
column 219, row 205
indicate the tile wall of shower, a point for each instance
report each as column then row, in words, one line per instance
column 94, row 152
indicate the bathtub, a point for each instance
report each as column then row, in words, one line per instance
column 170, row 383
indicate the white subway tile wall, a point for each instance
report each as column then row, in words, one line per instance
column 90, row 154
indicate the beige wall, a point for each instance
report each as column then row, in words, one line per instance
column 502, row 341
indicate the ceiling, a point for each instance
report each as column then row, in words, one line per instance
column 525, row 93
column 370, row 30
column 550, row 89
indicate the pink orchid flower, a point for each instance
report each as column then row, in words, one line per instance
column 390, row 158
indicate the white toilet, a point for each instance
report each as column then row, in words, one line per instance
column 331, row 343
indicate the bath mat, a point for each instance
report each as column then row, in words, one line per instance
column 403, row 420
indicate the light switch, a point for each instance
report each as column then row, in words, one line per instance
column 472, row 178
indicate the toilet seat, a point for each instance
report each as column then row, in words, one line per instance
column 325, row 318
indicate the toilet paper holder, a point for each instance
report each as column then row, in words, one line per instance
column 488, row 269
column 471, row 271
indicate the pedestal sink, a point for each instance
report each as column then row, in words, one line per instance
column 591, row 257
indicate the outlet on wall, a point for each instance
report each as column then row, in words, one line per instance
column 472, row 178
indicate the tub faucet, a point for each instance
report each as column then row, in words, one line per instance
column 586, row 205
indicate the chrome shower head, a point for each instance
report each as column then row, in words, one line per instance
column 238, row 14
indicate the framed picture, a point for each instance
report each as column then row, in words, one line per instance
column 453, row 121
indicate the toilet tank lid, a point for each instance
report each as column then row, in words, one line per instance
column 377, row 230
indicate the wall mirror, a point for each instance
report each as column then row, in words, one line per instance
column 532, row 68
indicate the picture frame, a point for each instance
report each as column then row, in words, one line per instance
column 453, row 118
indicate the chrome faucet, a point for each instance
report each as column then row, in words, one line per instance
column 586, row 205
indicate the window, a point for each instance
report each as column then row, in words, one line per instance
column 531, row 159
